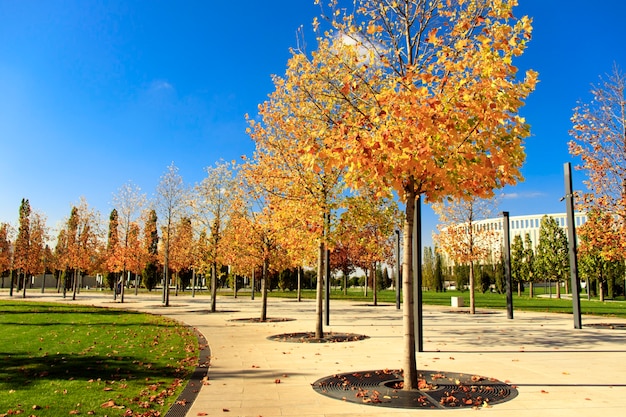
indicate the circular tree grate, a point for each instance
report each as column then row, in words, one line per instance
column 437, row 390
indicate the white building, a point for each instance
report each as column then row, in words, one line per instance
column 521, row 225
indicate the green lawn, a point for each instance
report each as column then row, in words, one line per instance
column 59, row 360
column 486, row 300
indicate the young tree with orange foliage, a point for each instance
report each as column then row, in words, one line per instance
column 38, row 238
column 83, row 247
column 182, row 250
column 369, row 222
column 599, row 139
column 264, row 232
column 599, row 246
column 426, row 101
column 462, row 239
column 136, row 253
column 128, row 201
column 292, row 143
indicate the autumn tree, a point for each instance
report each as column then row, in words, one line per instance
column 128, row 201
column 80, row 249
column 182, row 252
column 369, row 221
column 294, row 137
column 262, row 231
column 171, row 203
column 425, row 101
column 552, row 253
column 599, row 247
column 211, row 203
column 38, row 237
column 136, row 253
column 345, row 253
column 61, row 260
column 462, row 238
column 599, row 139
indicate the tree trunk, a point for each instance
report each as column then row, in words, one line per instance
column 471, row 289
column 299, row 284
column 264, row 291
column 408, row 317
column 530, row 289
column 24, row 286
column 11, row 284
column 519, row 288
column 319, row 326
column 252, row 285
column 123, row 285
column 365, row 282
column 558, row 289
column 601, row 290
column 74, row 284
column 374, row 289
column 166, row 273
column 213, row 286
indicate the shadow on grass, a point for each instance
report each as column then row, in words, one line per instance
column 18, row 369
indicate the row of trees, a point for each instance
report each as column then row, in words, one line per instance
column 190, row 232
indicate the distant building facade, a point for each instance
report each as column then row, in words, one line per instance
column 529, row 224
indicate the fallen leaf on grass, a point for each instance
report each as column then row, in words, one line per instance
column 107, row 404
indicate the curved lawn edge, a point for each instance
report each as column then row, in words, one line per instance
column 189, row 394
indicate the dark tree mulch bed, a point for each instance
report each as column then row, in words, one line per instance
column 436, row 390
column 267, row 320
column 612, row 326
column 309, row 337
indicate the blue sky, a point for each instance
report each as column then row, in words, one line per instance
column 94, row 94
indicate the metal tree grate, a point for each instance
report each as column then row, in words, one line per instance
column 437, row 390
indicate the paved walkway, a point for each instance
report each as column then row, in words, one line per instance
column 557, row 370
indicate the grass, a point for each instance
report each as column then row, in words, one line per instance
column 486, row 300
column 58, row 360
